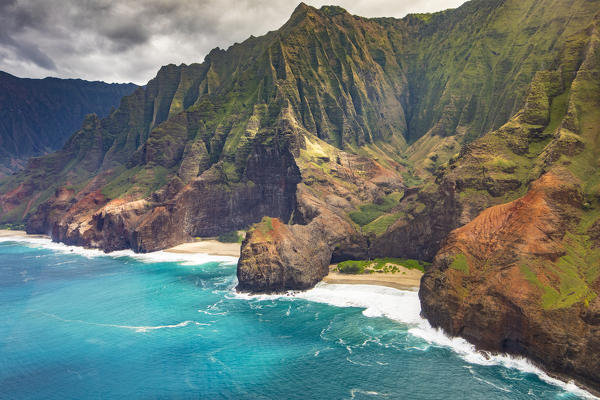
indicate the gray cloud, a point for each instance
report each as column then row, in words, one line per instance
column 128, row 40
column 13, row 21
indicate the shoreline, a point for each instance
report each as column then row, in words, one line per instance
column 405, row 279
column 206, row 246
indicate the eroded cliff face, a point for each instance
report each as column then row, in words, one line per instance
column 492, row 170
column 518, row 279
column 511, row 223
column 523, row 277
column 277, row 257
column 468, row 137
column 366, row 86
column 206, row 206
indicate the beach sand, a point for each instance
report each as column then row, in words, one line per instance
column 405, row 279
column 208, row 246
column 8, row 232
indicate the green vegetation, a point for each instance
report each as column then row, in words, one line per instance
column 368, row 213
column 352, row 267
column 265, row 226
column 574, row 273
column 231, row 237
column 502, row 164
column 121, row 184
column 381, row 265
column 331, row 11
column 425, row 17
column 411, row 179
column 380, row 225
column 558, row 109
column 460, row 263
column 13, row 227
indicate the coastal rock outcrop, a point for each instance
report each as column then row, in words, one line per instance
column 518, row 279
column 276, row 257
column 523, row 277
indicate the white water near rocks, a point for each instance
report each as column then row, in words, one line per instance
column 153, row 257
column 404, row 306
column 376, row 301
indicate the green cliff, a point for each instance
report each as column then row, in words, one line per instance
column 412, row 90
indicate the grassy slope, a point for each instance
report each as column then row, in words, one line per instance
column 562, row 115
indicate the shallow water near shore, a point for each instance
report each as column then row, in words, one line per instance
column 76, row 323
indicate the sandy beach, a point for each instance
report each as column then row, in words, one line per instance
column 8, row 233
column 209, row 246
column 405, row 279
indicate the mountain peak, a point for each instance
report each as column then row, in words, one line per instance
column 302, row 9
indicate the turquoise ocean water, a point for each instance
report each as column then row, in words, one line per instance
column 78, row 324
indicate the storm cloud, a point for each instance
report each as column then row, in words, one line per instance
column 128, row 41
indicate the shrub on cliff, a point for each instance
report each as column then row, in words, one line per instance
column 231, row 237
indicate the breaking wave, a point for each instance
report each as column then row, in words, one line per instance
column 154, row 257
column 404, row 306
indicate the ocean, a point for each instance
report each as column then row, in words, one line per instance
column 78, row 324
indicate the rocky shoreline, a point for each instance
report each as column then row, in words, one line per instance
column 393, row 280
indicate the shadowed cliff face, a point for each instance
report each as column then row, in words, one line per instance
column 37, row 116
column 277, row 257
column 207, row 206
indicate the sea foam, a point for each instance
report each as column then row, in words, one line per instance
column 377, row 301
column 153, row 257
column 142, row 329
column 404, row 306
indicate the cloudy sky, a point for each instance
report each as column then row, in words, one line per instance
column 128, row 40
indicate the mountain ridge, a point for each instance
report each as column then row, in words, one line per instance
column 38, row 115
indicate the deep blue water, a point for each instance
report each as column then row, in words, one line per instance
column 75, row 326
